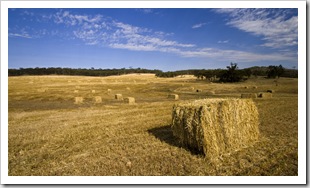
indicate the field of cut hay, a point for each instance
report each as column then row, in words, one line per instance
column 101, row 136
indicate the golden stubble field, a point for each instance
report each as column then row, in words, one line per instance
column 49, row 135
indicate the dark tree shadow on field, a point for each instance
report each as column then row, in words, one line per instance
column 165, row 134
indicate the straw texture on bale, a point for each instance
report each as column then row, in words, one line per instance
column 129, row 100
column 216, row 126
column 93, row 91
column 265, row 95
column 41, row 90
column 78, row 100
column 248, row 95
column 97, row 99
column 76, row 91
column 173, row 96
column 118, row 96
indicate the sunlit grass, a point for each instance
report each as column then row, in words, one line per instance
column 50, row 135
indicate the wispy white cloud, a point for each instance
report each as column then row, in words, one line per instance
column 223, row 41
column 275, row 26
column 103, row 31
column 22, row 35
column 196, row 26
column 237, row 56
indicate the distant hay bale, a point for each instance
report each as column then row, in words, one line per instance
column 246, row 87
column 210, row 92
column 254, row 87
column 265, row 95
column 93, row 91
column 76, row 91
column 270, row 91
column 173, row 96
column 97, row 99
column 130, row 100
column 78, row 100
column 216, row 126
column 248, row 95
column 198, row 90
column 118, row 96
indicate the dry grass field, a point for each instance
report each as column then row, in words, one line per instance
column 50, row 135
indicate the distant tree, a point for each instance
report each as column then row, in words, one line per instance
column 275, row 71
column 232, row 74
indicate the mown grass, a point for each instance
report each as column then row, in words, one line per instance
column 50, row 135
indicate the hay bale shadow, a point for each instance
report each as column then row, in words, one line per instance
column 165, row 134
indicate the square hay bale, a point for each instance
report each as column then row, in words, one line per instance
column 248, row 95
column 265, row 95
column 97, row 99
column 216, row 126
column 210, row 92
column 129, row 100
column 270, row 91
column 118, row 96
column 78, row 100
column 173, row 96
column 93, row 91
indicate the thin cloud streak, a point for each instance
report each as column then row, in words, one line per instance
column 276, row 29
column 196, row 26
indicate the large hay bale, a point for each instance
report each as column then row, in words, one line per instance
column 118, row 96
column 129, row 100
column 97, row 99
column 216, row 126
column 248, row 95
column 78, row 100
column 265, row 95
column 173, row 96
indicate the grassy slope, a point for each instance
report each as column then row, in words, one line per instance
column 49, row 135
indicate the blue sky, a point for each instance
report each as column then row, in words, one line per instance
column 166, row 39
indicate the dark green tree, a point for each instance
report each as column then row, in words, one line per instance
column 275, row 71
column 232, row 74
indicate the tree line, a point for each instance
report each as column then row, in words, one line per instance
column 231, row 74
column 78, row 72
